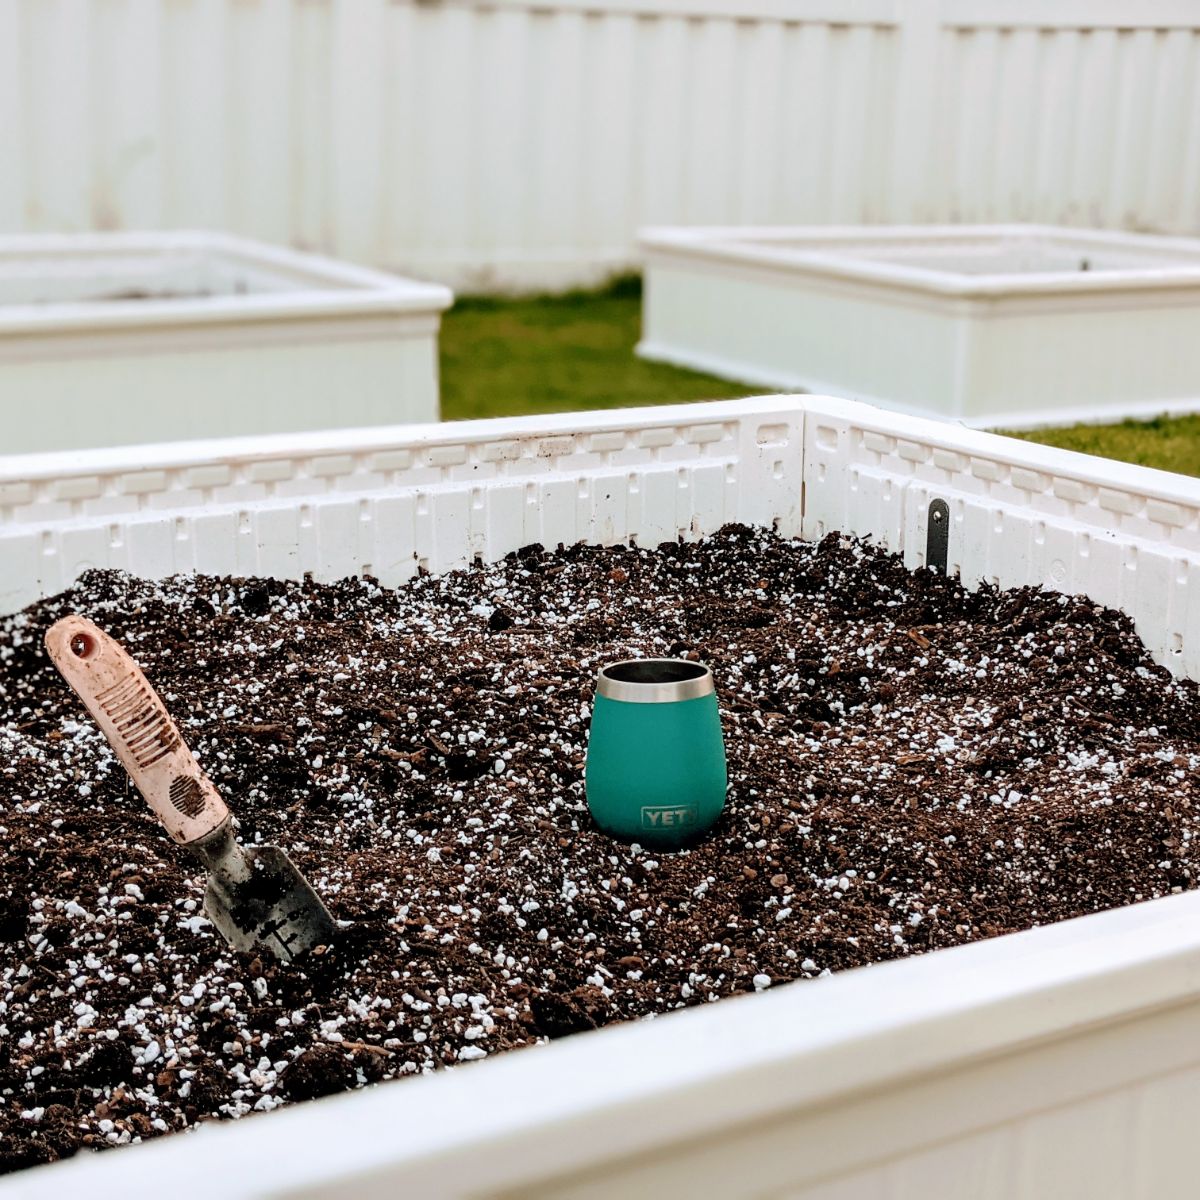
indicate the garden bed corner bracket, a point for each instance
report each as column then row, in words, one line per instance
column 937, row 536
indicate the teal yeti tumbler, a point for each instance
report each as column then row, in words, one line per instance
column 656, row 759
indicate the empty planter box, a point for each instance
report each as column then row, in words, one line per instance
column 1011, row 325
column 122, row 338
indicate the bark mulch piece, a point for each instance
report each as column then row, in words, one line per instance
column 911, row 765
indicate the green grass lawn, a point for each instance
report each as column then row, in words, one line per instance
column 554, row 353
column 1169, row 443
column 503, row 358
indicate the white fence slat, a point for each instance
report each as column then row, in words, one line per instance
column 1017, row 118
column 1169, row 125
column 195, row 115
column 662, row 71
column 554, row 106
column 1057, row 118
column 810, row 149
column 609, row 133
column 13, row 123
column 357, row 96
column 311, row 128
column 711, row 122
column 1189, row 187
column 61, row 132
column 126, row 116
column 444, row 116
column 756, row 159
column 261, row 161
column 501, row 102
column 1098, row 61
column 1134, row 87
column 913, row 114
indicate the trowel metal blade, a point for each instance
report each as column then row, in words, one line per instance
column 274, row 910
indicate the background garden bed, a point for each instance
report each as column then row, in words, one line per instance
column 112, row 339
column 987, row 324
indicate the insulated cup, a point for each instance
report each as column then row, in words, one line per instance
column 656, row 760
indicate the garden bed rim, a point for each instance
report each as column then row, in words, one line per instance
column 252, row 447
column 996, row 422
column 324, row 287
column 328, row 313
column 756, row 246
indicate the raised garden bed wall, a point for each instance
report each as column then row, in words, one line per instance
column 386, row 502
column 115, row 339
column 1048, row 1062
column 992, row 325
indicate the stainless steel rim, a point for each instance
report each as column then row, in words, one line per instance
column 654, row 680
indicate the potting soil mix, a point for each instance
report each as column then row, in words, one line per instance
column 911, row 766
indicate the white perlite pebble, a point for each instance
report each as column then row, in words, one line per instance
column 762, row 982
column 151, row 1054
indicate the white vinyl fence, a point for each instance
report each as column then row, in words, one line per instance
column 521, row 143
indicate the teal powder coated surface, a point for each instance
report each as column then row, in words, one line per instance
column 656, row 772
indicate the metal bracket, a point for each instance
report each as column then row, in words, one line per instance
column 937, row 536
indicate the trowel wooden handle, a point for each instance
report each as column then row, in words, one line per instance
column 138, row 728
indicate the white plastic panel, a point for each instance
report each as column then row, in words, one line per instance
column 1020, row 514
column 999, row 326
column 386, row 502
column 111, row 339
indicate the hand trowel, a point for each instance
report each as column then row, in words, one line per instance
column 256, row 897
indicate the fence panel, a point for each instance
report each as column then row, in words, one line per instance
column 520, row 143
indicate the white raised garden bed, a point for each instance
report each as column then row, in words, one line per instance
column 1063, row 1061
column 993, row 325
column 120, row 338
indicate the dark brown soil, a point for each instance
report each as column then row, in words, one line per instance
column 911, row 766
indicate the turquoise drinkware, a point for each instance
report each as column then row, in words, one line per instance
column 655, row 769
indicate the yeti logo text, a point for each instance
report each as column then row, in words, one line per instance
column 668, row 816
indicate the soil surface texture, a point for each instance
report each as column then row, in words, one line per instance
column 911, row 766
